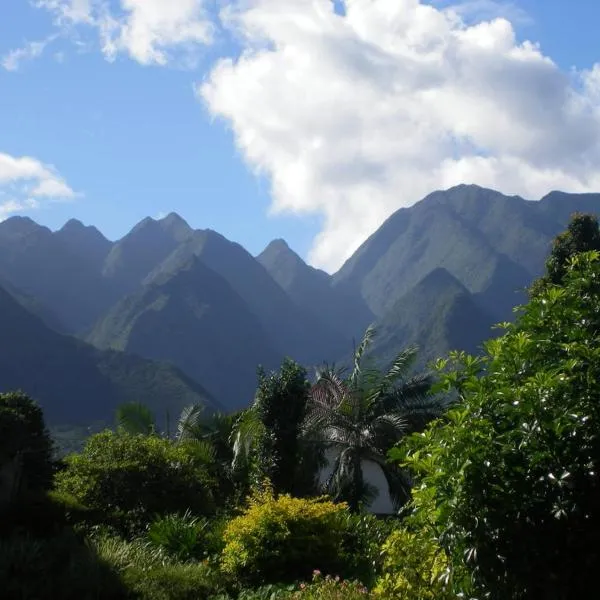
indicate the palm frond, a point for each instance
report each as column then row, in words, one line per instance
column 190, row 422
column 135, row 418
column 329, row 387
column 401, row 365
column 245, row 434
column 387, row 430
column 360, row 352
column 202, row 450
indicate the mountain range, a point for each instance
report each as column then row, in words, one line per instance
column 169, row 314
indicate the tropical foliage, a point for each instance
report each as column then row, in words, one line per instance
column 508, row 484
column 359, row 417
column 493, row 463
column 284, row 538
column 135, row 475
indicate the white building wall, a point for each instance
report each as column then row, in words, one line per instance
column 373, row 474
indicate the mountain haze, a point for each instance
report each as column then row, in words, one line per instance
column 76, row 383
column 194, row 319
column 437, row 274
column 311, row 290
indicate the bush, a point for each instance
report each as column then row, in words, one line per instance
column 414, row 568
column 510, row 481
column 25, row 449
column 364, row 535
column 284, row 539
column 193, row 581
column 134, row 477
column 148, row 573
column 180, row 536
column 61, row 566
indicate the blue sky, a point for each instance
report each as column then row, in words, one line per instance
column 131, row 130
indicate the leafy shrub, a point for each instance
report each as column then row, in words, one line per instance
column 134, row 477
column 284, row 539
column 415, row 568
column 510, row 481
column 25, row 448
column 148, row 573
column 364, row 535
column 174, row 581
column 61, row 566
column 181, row 536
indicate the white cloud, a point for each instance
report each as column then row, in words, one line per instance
column 155, row 32
column 67, row 12
column 25, row 182
column 30, row 51
column 355, row 116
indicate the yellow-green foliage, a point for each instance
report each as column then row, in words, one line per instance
column 415, row 568
column 284, row 539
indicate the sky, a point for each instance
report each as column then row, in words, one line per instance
column 308, row 120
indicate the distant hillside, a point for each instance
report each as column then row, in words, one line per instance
column 292, row 330
column 437, row 274
column 77, row 384
column 494, row 245
column 194, row 319
column 311, row 290
column 438, row 315
column 59, row 275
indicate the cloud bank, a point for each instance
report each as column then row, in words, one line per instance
column 357, row 114
column 25, row 183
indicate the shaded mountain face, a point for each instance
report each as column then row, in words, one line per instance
column 194, row 319
column 292, row 330
column 134, row 256
column 58, row 275
column 493, row 244
column 312, row 291
column 84, row 240
column 76, row 383
column 438, row 315
column 437, row 274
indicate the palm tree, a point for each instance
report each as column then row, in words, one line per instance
column 359, row 418
column 193, row 429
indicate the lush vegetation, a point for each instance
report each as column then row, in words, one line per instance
column 492, row 464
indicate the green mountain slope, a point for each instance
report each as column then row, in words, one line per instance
column 292, row 331
column 58, row 275
column 439, row 314
column 494, row 245
column 140, row 251
column 197, row 321
column 76, row 383
column 312, row 290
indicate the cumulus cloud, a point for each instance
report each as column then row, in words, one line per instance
column 151, row 32
column 355, row 115
column 25, row 182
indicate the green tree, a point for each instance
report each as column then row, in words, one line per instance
column 268, row 439
column 582, row 235
column 25, row 447
column 361, row 416
column 124, row 474
column 210, row 436
column 509, row 483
